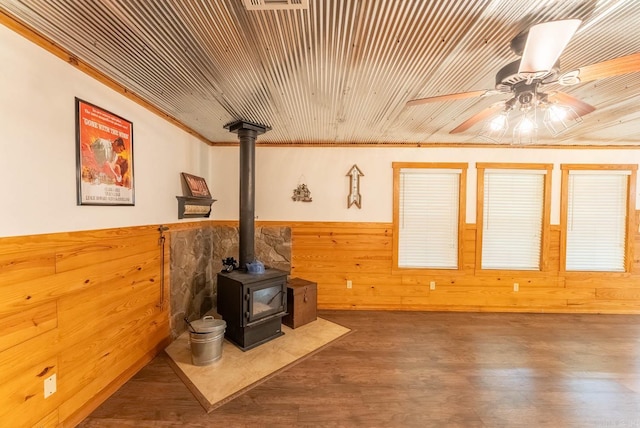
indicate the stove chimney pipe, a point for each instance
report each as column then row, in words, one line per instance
column 247, row 133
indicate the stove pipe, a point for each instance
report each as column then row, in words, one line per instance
column 247, row 133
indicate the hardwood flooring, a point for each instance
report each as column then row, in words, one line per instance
column 422, row 369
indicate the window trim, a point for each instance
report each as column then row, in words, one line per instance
column 546, row 214
column 631, row 214
column 462, row 204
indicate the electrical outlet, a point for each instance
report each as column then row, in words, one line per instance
column 432, row 285
column 349, row 283
column 50, row 386
column 516, row 286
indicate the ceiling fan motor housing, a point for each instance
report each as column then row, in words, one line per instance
column 526, row 94
column 508, row 77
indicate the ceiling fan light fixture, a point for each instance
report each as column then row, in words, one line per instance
column 558, row 118
column 545, row 43
column 526, row 131
column 556, row 113
column 495, row 128
column 500, row 122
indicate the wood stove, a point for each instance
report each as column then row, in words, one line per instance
column 252, row 304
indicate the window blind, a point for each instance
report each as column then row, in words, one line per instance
column 428, row 217
column 512, row 219
column 596, row 221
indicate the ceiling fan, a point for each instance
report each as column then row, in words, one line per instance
column 525, row 79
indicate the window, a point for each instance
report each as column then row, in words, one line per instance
column 428, row 214
column 596, row 219
column 512, row 215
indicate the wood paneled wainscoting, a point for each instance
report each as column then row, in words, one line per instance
column 88, row 306
column 85, row 306
column 332, row 254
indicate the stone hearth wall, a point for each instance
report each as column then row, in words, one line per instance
column 196, row 258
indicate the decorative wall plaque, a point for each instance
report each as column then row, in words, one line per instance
column 198, row 201
column 301, row 193
column 354, row 197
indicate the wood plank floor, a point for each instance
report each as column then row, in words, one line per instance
column 423, row 369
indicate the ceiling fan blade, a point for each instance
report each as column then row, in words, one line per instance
column 479, row 117
column 613, row 67
column 544, row 45
column 448, row 97
column 580, row 107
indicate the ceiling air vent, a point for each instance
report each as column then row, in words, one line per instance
column 276, row 4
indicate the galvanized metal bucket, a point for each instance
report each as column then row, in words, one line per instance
column 206, row 341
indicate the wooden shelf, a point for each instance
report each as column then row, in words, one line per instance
column 192, row 206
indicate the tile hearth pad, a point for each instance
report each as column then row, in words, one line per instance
column 237, row 371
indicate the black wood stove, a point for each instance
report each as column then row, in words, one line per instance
column 252, row 304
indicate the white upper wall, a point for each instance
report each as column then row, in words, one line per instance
column 38, row 156
column 38, row 160
column 323, row 170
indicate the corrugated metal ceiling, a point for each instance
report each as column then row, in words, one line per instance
column 341, row 71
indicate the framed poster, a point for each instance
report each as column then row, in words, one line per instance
column 104, row 157
column 197, row 186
